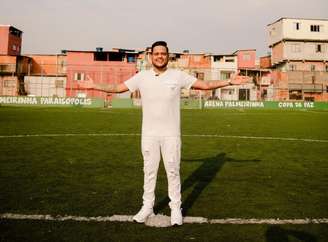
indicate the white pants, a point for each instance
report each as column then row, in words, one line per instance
column 170, row 147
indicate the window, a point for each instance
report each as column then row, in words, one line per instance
column 318, row 48
column 229, row 60
column 315, row 28
column 312, row 67
column 78, row 76
column 100, row 56
column 273, row 32
column 115, row 56
column 200, row 75
column 292, row 67
column 295, row 95
column 14, row 47
column 59, row 83
column 246, row 57
column 244, row 94
column 296, row 48
column 225, row 75
column 297, row 25
column 326, row 68
column 218, row 58
column 131, row 58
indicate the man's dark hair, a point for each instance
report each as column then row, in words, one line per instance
column 159, row 43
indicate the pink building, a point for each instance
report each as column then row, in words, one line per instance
column 10, row 40
column 99, row 66
column 246, row 58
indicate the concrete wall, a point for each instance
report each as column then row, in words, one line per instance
column 275, row 32
column 304, row 31
column 45, row 86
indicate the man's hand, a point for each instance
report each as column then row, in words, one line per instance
column 238, row 80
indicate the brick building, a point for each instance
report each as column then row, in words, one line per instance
column 98, row 66
column 299, row 58
column 13, row 67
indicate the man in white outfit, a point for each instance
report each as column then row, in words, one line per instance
column 160, row 89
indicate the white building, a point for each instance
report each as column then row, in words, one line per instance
column 297, row 39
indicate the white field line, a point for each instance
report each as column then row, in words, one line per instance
column 184, row 135
column 189, row 220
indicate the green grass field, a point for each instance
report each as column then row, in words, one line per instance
column 222, row 177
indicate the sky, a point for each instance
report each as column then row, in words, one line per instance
column 201, row 26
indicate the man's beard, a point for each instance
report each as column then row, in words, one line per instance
column 161, row 66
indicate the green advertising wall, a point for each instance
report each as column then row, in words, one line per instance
column 265, row 104
column 185, row 103
column 217, row 104
column 128, row 103
column 51, row 101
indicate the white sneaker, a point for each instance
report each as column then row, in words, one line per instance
column 176, row 216
column 143, row 214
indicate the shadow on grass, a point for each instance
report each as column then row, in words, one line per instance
column 199, row 179
column 278, row 234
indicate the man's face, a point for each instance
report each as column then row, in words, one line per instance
column 160, row 57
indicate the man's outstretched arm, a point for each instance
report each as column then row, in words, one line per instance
column 110, row 88
column 209, row 85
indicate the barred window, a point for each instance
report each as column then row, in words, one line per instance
column 59, row 83
column 315, row 28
